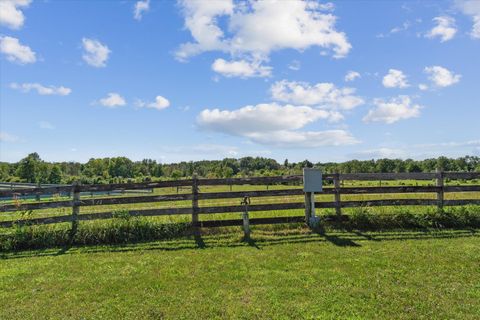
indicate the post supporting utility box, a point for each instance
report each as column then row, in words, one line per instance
column 312, row 182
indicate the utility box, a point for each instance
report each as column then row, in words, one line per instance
column 312, row 180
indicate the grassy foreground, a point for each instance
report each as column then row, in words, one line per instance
column 289, row 274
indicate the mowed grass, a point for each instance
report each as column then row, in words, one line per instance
column 289, row 274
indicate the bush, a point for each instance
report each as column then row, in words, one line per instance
column 115, row 231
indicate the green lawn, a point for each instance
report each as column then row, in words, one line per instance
column 290, row 274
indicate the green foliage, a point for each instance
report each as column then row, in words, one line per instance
column 121, row 229
column 405, row 217
column 55, row 176
column 28, row 168
column 121, row 169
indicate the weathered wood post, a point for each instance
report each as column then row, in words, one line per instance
column 37, row 194
column 75, row 208
column 245, row 218
column 336, row 185
column 308, row 207
column 439, row 183
column 195, row 204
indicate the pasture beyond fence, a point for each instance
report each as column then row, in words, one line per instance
column 333, row 186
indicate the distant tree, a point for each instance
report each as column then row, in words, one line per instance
column 176, row 174
column 228, row 172
column 121, row 167
column 28, row 167
column 306, row 164
column 55, row 176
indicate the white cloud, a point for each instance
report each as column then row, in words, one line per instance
column 423, row 86
column 471, row 8
column 6, row 137
column 403, row 27
column 256, row 28
column 15, row 51
column 229, row 151
column 113, row 100
column 352, row 75
column 140, row 8
column 160, row 103
column 43, row 90
column 10, row 14
column 46, row 125
column 380, row 153
column 445, row 28
column 449, row 144
column 442, row 77
column 95, row 53
column 308, row 139
column 321, row 94
column 395, row 79
column 294, row 65
column 240, row 68
column 274, row 124
column 396, row 109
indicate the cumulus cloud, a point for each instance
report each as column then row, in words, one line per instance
column 160, row 103
column 95, row 53
column 15, row 51
column 41, row 89
column 240, row 68
column 445, row 28
column 274, row 124
column 471, row 8
column 6, row 137
column 321, row 94
column 113, row 100
column 256, row 28
column 308, row 139
column 395, row 79
column 442, row 77
column 399, row 108
column 352, row 75
column 10, row 14
column 139, row 8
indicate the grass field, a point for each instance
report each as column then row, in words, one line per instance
column 290, row 274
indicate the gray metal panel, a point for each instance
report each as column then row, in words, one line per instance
column 312, row 180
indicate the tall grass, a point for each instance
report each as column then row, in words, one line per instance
column 126, row 229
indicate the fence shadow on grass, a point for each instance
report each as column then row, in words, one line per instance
column 259, row 240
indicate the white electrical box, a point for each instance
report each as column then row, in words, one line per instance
column 312, row 180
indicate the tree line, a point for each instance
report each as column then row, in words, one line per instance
column 121, row 169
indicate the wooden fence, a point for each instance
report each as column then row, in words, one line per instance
column 195, row 185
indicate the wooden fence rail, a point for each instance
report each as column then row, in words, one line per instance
column 194, row 209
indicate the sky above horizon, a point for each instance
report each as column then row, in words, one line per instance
column 193, row 80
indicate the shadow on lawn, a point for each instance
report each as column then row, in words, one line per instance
column 259, row 240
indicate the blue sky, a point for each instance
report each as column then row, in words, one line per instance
column 192, row 80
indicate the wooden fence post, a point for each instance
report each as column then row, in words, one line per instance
column 75, row 208
column 37, row 195
column 336, row 185
column 195, row 202
column 439, row 183
column 308, row 207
